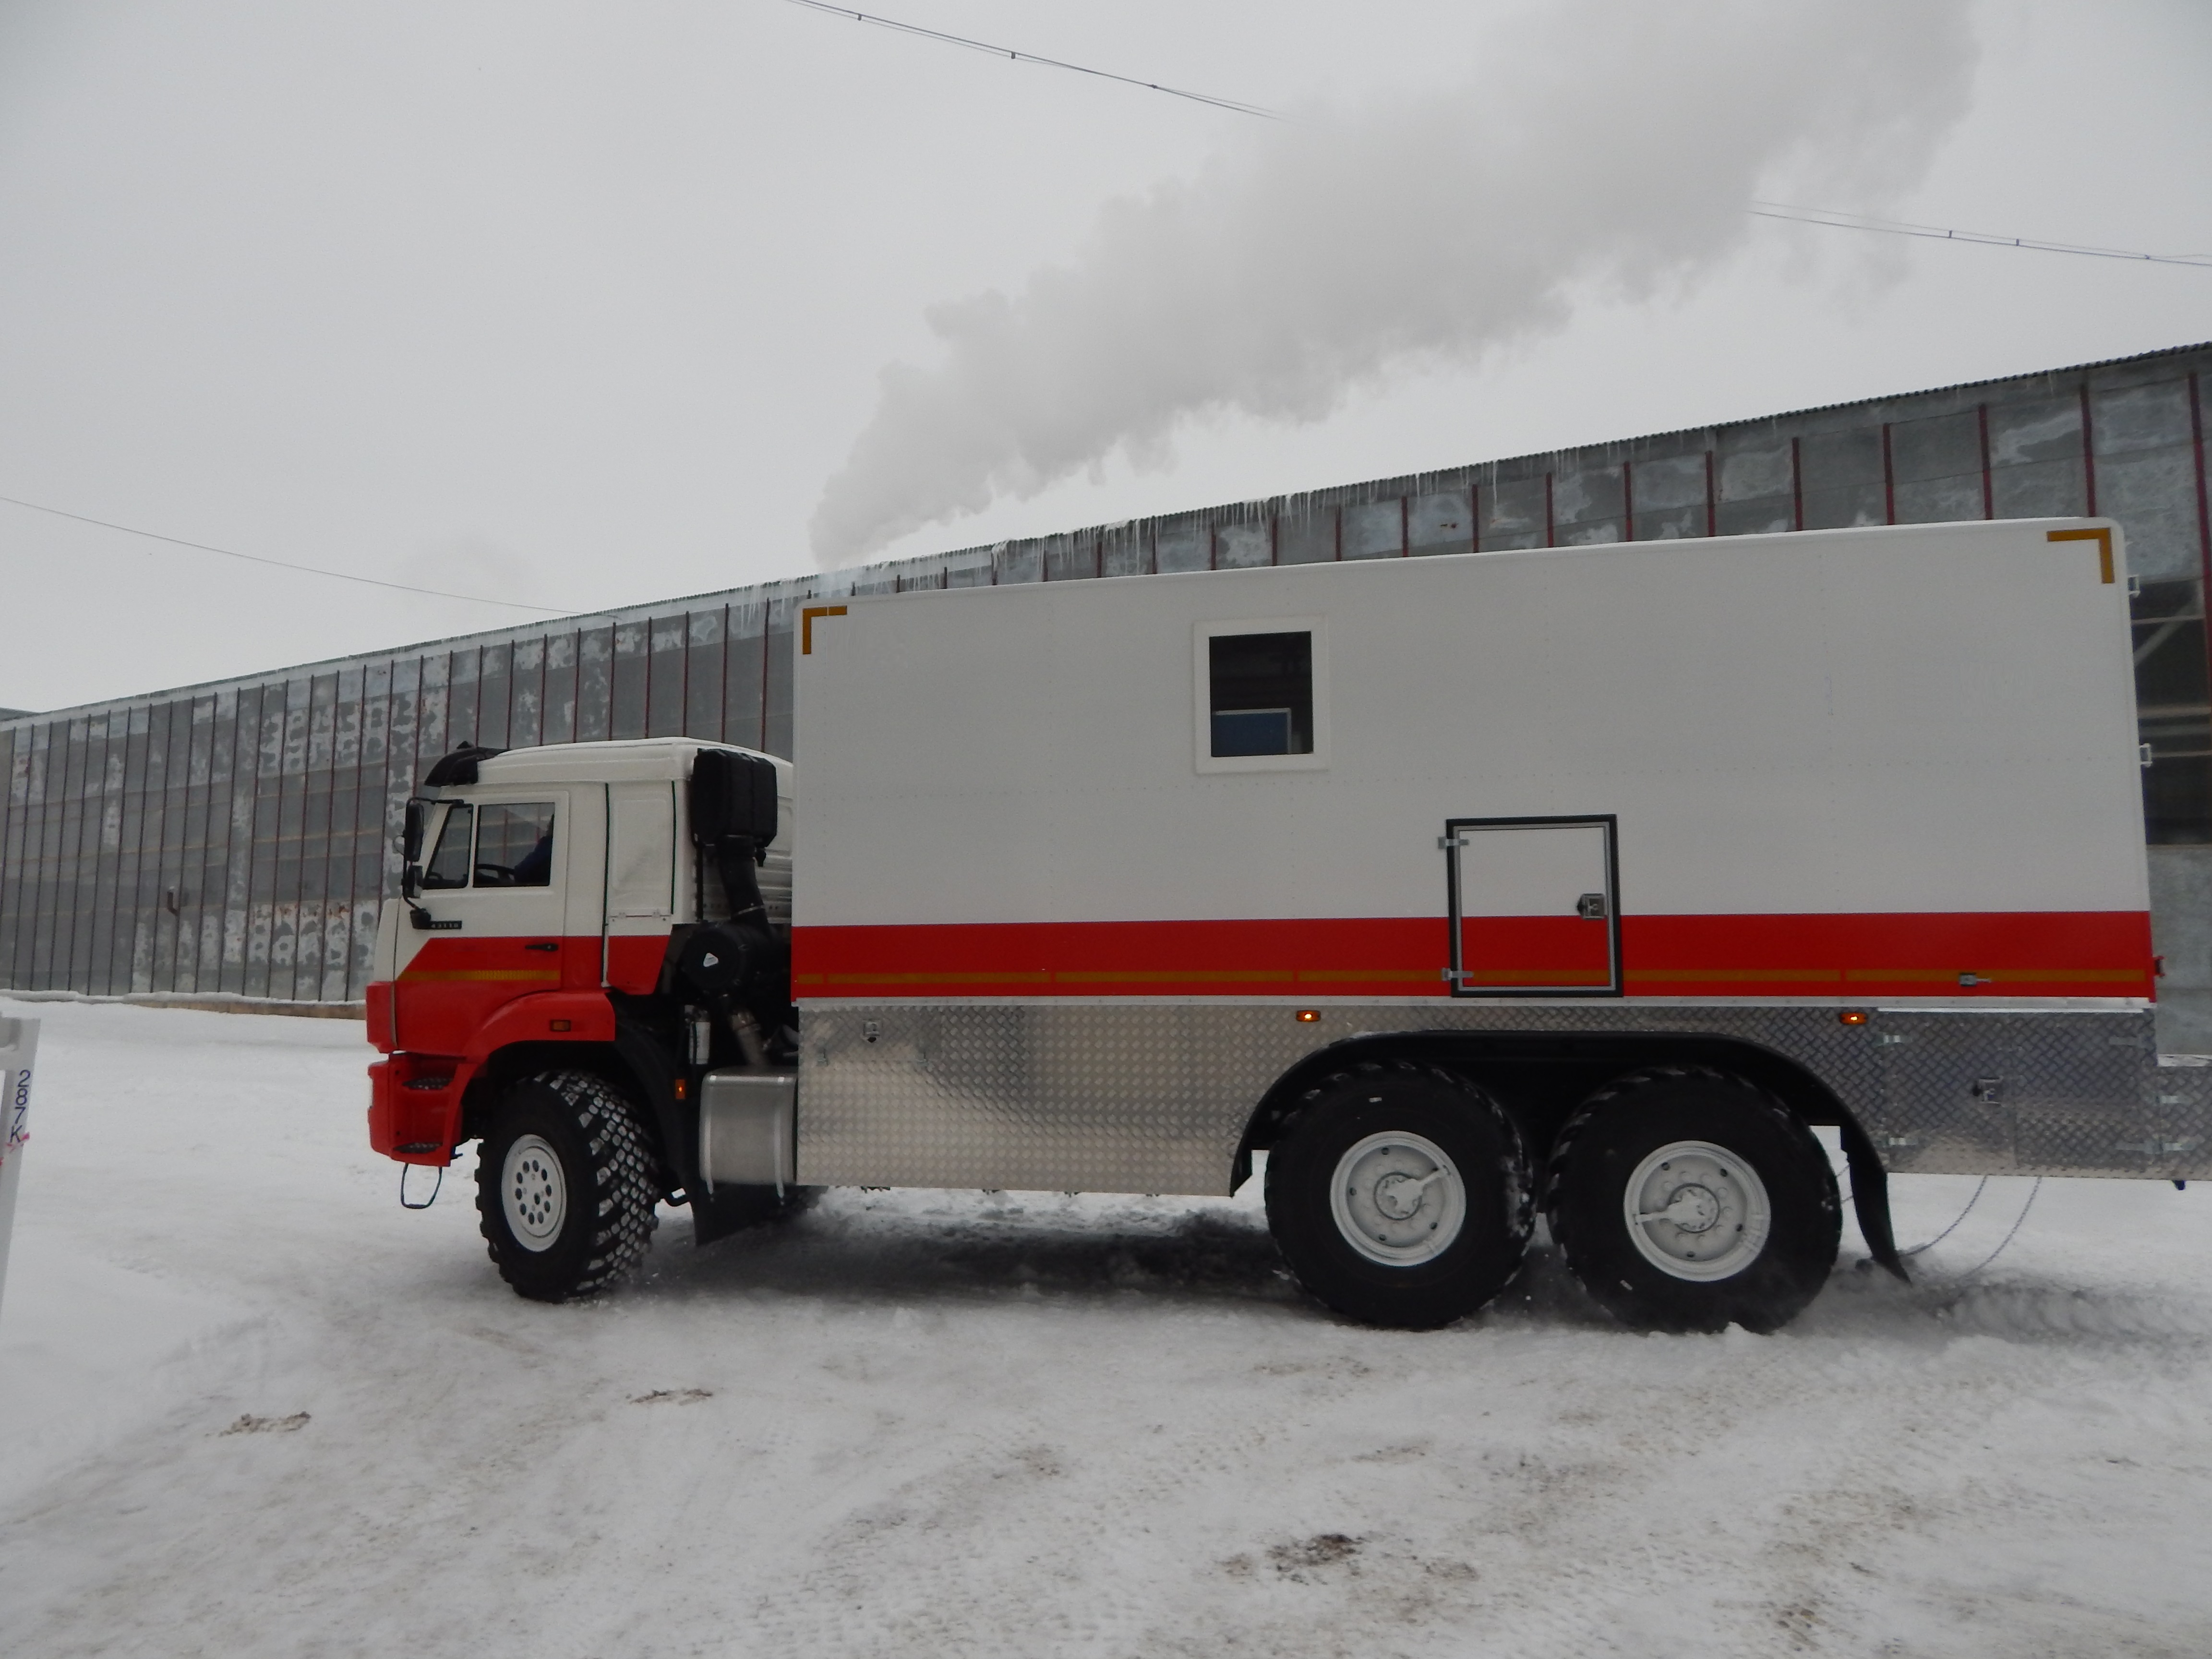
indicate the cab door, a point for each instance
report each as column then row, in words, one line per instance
column 1535, row 907
column 641, row 888
column 488, row 925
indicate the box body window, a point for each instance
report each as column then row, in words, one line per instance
column 1260, row 694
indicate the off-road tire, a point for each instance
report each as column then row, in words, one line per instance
column 1380, row 1099
column 1633, row 1119
column 606, row 1169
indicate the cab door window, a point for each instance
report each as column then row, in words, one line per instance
column 515, row 845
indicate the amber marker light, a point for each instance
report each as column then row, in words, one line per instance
column 558, row 1025
column 1853, row 1016
column 1309, row 1016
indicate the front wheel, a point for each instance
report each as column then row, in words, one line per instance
column 1685, row 1200
column 1400, row 1196
column 565, row 1188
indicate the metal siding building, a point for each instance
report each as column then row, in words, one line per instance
column 237, row 839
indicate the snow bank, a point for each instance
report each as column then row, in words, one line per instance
column 924, row 1423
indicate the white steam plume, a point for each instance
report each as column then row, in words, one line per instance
column 1613, row 144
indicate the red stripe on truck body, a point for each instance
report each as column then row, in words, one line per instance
column 2009, row 954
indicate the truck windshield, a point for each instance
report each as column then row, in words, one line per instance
column 449, row 860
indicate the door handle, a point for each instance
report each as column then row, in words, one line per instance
column 542, row 944
column 1590, row 906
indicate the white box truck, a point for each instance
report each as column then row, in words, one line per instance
column 1595, row 878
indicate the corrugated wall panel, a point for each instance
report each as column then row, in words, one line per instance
column 667, row 665
column 230, row 822
column 628, row 679
column 779, row 653
column 703, row 690
column 595, row 680
column 2035, row 456
column 153, row 944
column 745, row 681
column 74, row 915
column 194, row 829
column 145, row 822
column 14, row 813
column 1936, row 467
column 1515, row 514
column 264, row 788
column 495, row 690
column 23, row 898
column 526, row 695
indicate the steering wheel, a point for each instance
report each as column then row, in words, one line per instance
column 494, row 875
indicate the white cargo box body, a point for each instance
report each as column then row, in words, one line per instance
column 1549, row 789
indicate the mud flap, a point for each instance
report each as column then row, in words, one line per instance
column 732, row 1209
column 1870, row 1199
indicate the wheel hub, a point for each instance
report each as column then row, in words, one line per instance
column 1398, row 1199
column 1696, row 1210
column 1400, row 1196
column 533, row 1193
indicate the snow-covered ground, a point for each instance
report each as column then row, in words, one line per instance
column 250, row 1406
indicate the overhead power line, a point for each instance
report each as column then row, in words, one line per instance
column 284, row 564
column 1785, row 210
column 1229, row 104
column 1805, row 215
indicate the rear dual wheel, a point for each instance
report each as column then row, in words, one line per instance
column 1400, row 1196
column 1685, row 1199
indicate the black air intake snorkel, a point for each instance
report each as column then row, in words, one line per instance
column 740, row 962
column 734, row 817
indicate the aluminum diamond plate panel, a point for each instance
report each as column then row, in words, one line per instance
column 1134, row 1097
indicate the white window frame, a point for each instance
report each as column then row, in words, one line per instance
column 1202, row 695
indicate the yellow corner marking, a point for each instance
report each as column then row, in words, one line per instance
column 2102, row 536
column 807, row 623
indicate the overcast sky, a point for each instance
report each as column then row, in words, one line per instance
column 586, row 305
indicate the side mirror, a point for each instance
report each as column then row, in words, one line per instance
column 411, row 881
column 410, row 838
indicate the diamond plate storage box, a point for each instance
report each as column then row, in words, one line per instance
column 1136, row 1097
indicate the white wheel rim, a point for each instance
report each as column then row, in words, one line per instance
column 1397, row 1199
column 534, row 1193
column 1698, row 1212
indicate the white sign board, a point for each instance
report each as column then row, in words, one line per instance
column 19, row 1044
